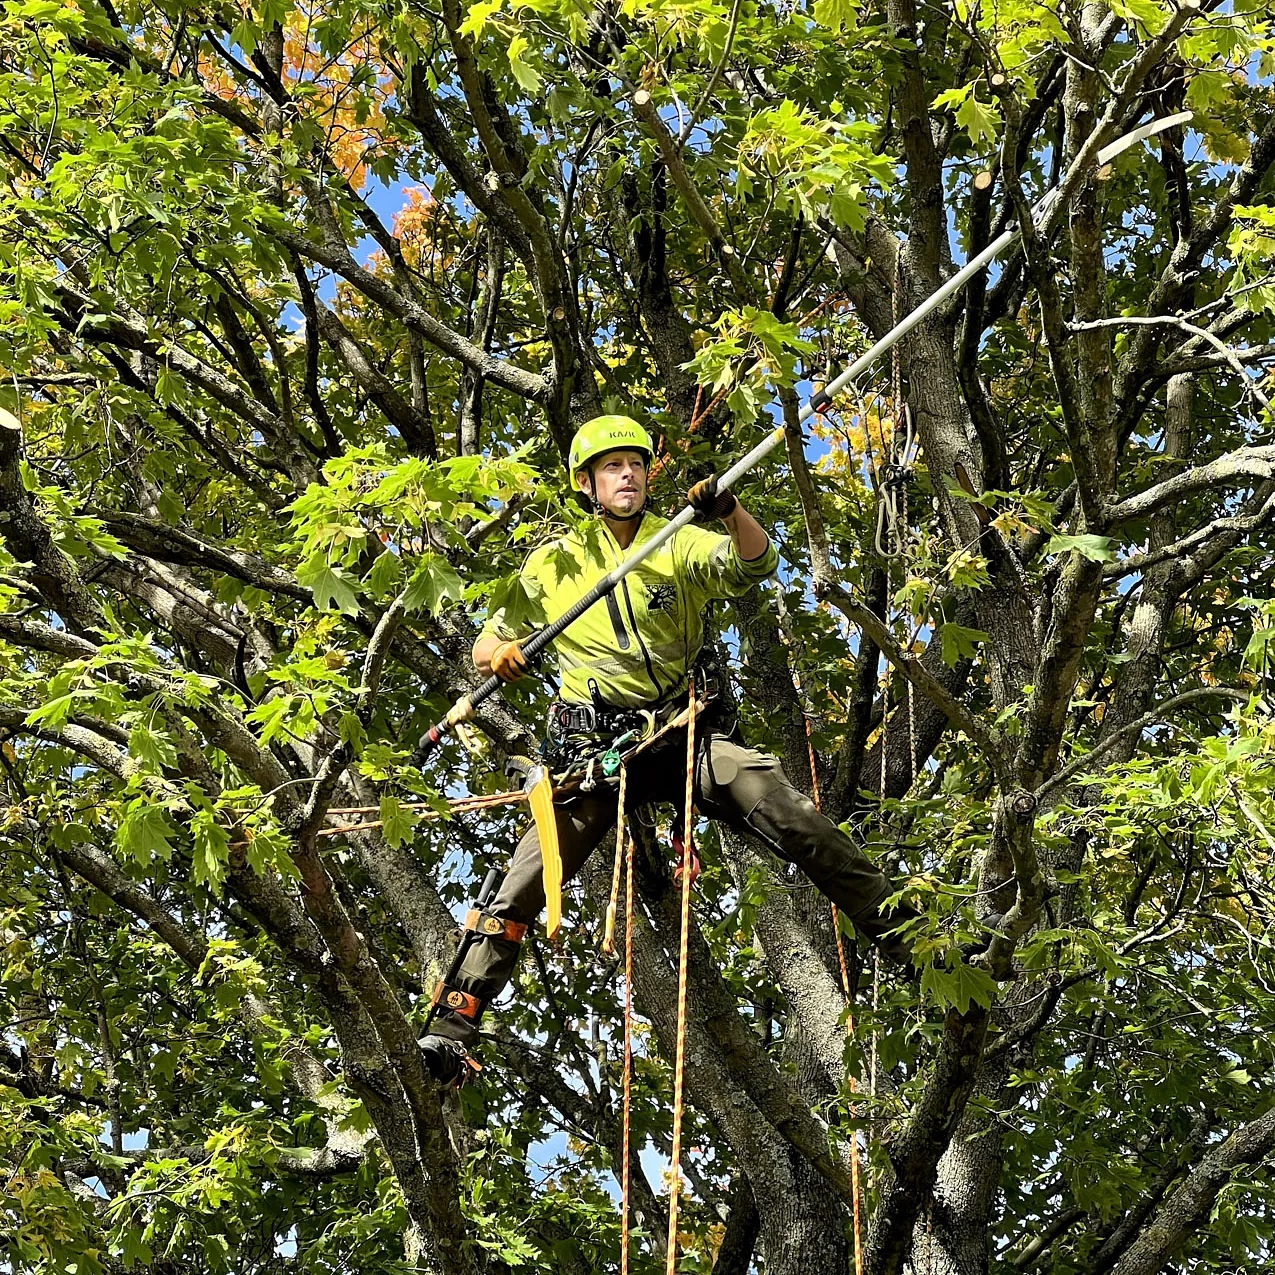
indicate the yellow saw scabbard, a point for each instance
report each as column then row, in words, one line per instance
column 539, row 789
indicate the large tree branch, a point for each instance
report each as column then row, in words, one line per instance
column 42, row 637
column 168, row 543
column 1057, row 667
column 52, row 572
column 1163, row 712
column 915, row 1154
column 417, row 431
column 670, row 152
column 815, row 998
column 1224, row 352
column 728, row 1073
column 840, row 597
column 1205, row 545
column 1190, row 1204
column 554, row 288
column 1126, row 1231
column 1185, row 260
column 927, row 234
column 1234, row 469
column 315, row 1163
column 115, row 328
column 335, row 255
column 422, row 107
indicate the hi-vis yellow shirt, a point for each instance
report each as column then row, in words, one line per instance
column 637, row 644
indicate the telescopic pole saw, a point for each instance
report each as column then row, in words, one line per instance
column 464, row 707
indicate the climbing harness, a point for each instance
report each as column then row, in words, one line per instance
column 573, row 729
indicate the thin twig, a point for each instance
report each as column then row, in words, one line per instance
column 717, row 74
column 1157, row 714
column 1199, row 333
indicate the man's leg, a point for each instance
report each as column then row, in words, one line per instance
column 498, row 929
column 749, row 789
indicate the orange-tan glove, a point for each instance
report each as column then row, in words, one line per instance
column 508, row 662
column 705, row 499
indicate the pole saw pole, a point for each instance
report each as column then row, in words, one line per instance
column 463, row 708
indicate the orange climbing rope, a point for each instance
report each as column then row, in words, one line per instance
column 628, row 1046
column 424, row 811
column 688, row 836
column 624, row 860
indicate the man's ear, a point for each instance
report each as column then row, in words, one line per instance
column 584, row 491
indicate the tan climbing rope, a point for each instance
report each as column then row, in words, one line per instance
column 679, row 1067
column 608, row 933
column 623, row 858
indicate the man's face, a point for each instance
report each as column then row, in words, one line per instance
column 620, row 480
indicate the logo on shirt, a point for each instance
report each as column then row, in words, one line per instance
column 661, row 597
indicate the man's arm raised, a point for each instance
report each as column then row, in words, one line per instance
column 746, row 533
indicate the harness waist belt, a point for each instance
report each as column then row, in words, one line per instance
column 568, row 719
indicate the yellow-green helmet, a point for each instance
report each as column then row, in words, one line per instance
column 608, row 434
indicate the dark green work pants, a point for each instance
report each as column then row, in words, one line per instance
column 746, row 789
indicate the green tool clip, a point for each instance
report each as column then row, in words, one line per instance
column 611, row 758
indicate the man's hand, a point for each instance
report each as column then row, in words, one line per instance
column 508, row 662
column 705, row 499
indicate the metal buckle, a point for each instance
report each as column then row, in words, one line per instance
column 566, row 720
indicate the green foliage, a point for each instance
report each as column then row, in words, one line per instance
column 960, row 643
column 236, row 461
column 1094, row 548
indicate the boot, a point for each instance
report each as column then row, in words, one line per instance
column 446, row 1060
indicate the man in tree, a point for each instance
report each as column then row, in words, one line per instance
column 625, row 664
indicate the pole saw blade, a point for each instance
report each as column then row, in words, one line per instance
column 1122, row 144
